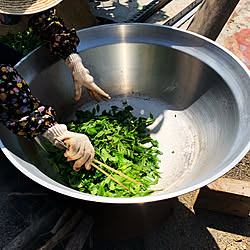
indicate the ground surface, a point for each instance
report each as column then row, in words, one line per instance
column 242, row 170
column 183, row 229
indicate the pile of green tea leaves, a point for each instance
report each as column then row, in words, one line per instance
column 23, row 42
column 121, row 141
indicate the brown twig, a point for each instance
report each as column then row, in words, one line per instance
column 66, row 229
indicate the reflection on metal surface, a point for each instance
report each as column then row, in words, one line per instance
column 124, row 59
column 198, row 93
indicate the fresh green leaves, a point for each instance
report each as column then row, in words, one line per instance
column 121, row 141
column 23, row 42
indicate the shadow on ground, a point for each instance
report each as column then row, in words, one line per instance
column 119, row 11
column 182, row 229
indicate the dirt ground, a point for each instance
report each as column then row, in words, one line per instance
column 242, row 170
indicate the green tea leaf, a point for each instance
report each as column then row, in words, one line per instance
column 122, row 141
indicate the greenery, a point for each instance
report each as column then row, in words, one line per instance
column 121, row 141
column 23, row 42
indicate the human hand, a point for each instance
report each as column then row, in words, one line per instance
column 81, row 77
column 79, row 148
column 79, row 145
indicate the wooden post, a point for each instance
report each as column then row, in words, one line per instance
column 211, row 17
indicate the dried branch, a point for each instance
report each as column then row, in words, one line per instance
column 66, row 229
column 62, row 220
column 80, row 234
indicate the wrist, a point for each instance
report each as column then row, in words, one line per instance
column 55, row 131
column 72, row 60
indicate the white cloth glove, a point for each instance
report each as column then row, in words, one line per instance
column 79, row 145
column 55, row 131
column 81, row 77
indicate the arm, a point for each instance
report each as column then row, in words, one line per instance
column 63, row 42
column 21, row 112
column 24, row 115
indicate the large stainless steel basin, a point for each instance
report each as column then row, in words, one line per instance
column 197, row 90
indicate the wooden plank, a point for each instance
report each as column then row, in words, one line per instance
column 232, row 186
column 184, row 14
column 225, row 196
column 169, row 11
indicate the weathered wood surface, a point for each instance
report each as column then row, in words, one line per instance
column 211, row 17
column 232, row 186
column 225, row 196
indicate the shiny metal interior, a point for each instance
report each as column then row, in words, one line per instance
column 197, row 91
